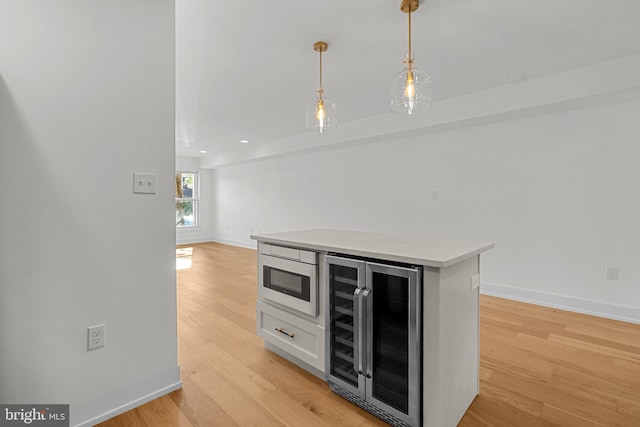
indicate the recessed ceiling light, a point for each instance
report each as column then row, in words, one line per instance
column 244, row 141
column 203, row 151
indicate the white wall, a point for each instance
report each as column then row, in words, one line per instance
column 203, row 232
column 86, row 99
column 558, row 193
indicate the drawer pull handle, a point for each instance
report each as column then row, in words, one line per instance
column 282, row 331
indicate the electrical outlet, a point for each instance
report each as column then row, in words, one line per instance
column 611, row 273
column 96, row 337
column 475, row 281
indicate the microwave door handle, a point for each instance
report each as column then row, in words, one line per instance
column 357, row 362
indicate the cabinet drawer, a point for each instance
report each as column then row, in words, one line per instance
column 308, row 257
column 283, row 252
column 296, row 336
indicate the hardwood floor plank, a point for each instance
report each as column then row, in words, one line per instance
column 243, row 377
column 128, row 419
column 310, row 392
column 627, row 365
column 497, row 356
column 289, row 411
column 558, row 353
column 629, row 407
column 489, row 411
column 238, row 405
column 164, row 412
column 598, row 346
column 500, row 327
column 522, row 402
column 605, row 388
column 539, row 366
column 561, row 417
column 618, row 332
column 289, row 378
column 198, row 407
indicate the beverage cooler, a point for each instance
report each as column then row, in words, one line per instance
column 374, row 337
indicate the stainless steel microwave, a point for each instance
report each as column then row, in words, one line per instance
column 289, row 277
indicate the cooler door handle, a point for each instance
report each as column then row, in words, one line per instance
column 357, row 362
column 366, row 321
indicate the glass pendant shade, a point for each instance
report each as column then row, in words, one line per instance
column 321, row 114
column 410, row 90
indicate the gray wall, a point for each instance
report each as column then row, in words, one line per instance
column 86, row 99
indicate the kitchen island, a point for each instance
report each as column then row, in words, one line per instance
column 445, row 276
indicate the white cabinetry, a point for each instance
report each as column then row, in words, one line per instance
column 298, row 337
column 450, row 308
column 289, row 325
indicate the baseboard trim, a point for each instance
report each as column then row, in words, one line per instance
column 593, row 308
column 240, row 243
column 186, row 240
column 123, row 400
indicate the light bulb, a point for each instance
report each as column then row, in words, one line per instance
column 321, row 113
column 409, row 87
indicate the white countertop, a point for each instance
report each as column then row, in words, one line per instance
column 408, row 249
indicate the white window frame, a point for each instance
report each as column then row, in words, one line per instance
column 195, row 199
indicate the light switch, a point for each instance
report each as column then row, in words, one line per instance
column 144, row 183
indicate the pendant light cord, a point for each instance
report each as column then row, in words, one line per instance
column 321, row 72
column 410, row 57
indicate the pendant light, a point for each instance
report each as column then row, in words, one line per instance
column 321, row 114
column 411, row 87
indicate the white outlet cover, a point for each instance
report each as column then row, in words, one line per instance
column 144, row 183
column 96, row 337
column 475, row 281
column 611, row 273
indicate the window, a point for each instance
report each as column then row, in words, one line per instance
column 186, row 199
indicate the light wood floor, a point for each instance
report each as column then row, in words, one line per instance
column 539, row 366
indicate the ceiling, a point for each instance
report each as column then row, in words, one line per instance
column 246, row 70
